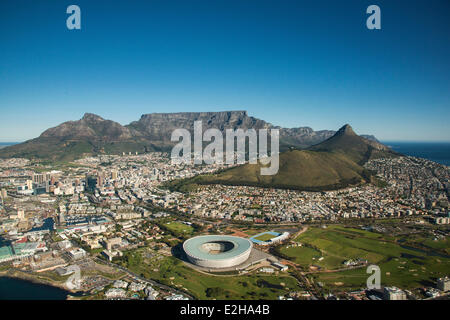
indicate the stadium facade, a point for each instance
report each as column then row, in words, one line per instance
column 217, row 251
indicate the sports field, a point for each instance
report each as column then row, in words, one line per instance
column 179, row 228
column 264, row 237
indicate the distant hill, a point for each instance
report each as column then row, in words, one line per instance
column 333, row 164
column 92, row 135
column 74, row 139
column 356, row 148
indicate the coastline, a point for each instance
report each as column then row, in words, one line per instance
column 438, row 152
column 22, row 275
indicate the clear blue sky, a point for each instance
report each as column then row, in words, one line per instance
column 292, row 63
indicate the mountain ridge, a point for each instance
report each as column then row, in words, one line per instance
column 93, row 134
column 358, row 149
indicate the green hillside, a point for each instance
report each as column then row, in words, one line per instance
column 333, row 164
column 299, row 169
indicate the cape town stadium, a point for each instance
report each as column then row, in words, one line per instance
column 217, row 251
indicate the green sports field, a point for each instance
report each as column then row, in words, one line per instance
column 179, row 228
column 265, row 237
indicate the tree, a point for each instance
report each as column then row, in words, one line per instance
column 214, row 292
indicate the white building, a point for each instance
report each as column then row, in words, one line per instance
column 120, row 284
column 77, row 253
column 115, row 293
column 393, row 293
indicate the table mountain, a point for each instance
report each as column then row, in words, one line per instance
column 94, row 135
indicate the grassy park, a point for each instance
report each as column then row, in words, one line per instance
column 402, row 262
column 179, row 228
column 173, row 272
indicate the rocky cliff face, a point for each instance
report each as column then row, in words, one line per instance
column 159, row 126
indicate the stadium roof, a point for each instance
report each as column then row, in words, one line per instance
column 193, row 246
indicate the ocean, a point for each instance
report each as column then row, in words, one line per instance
column 18, row 289
column 5, row 144
column 435, row 151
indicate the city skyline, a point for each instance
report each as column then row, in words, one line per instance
column 293, row 65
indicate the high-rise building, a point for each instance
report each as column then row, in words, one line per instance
column 38, row 178
column 4, row 194
column 114, row 175
column 47, row 176
column 91, row 183
column 99, row 181
column 29, row 184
